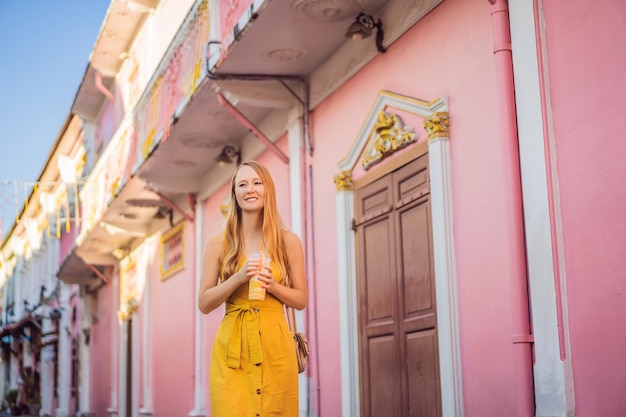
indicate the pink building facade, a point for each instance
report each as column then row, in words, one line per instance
column 462, row 228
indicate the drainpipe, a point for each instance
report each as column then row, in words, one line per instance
column 522, row 337
column 100, row 86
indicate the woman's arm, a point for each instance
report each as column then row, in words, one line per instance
column 295, row 295
column 210, row 294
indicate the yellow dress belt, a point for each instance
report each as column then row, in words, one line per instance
column 245, row 321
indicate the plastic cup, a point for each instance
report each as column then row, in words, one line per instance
column 255, row 290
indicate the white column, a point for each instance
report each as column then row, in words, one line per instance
column 199, row 343
column 13, row 369
column 123, row 363
column 348, row 326
column 64, row 354
column 134, row 360
column 554, row 392
column 115, row 347
column 445, row 278
column 297, row 177
column 85, row 357
column 146, row 343
column 294, row 134
column 47, row 378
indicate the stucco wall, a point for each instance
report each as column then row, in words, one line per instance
column 66, row 242
column 101, row 355
column 448, row 53
column 171, row 330
column 585, row 61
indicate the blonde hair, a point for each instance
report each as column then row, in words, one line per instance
column 272, row 232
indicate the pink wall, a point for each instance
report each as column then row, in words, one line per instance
column 107, row 125
column 586, row 62
column 449, row 53
column 172, row 330
column 214, row 222
column 280, row 175
column 66, row 243
column 101, row 357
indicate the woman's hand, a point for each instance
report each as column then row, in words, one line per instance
column 266, row 277
column 249, row 269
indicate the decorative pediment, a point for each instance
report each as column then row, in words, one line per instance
column 389, row 135
column 383, row 131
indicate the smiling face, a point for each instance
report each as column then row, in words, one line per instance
column 249, row 189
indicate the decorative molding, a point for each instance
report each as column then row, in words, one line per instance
column 437, row 125
column 127, row 310
column 343, row 181
column 328, row 11
column 385, row 100
column 389, row 135
column 225, row 208
column 436, row 113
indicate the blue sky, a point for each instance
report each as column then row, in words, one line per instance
column 45, row 47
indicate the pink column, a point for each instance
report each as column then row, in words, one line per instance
column 521, row 336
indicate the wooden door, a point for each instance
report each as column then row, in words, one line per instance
column 399, row 359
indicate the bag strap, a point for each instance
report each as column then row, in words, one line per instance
column 291, row 315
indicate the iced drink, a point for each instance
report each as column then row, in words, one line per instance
column 255, row 290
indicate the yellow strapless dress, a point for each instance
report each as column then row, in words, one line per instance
column 253, row 370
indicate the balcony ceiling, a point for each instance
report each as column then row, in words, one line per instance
column 119, row 29
column 133, row 215
column 295, row 37
column 181, row 163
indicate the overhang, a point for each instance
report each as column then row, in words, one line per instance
column 307, row 38
column 27, row 320
column 261, row 74
column 89, row 97
column 134, row 214
column 121, row 24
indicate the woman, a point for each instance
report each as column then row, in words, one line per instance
column 253, row 369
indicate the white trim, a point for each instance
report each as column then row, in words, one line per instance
column 134, row 365
column 199, row 342
column 295, row 139
column 444, row 258
column 146, row 343
column 348, row 326
column 115, row 353
column 64, row 355
column 445, row 278
column 123, row 363
column 383, row 101
column 85, row 356
column 553, row 382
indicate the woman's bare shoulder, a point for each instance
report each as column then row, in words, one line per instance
column 291, row 239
